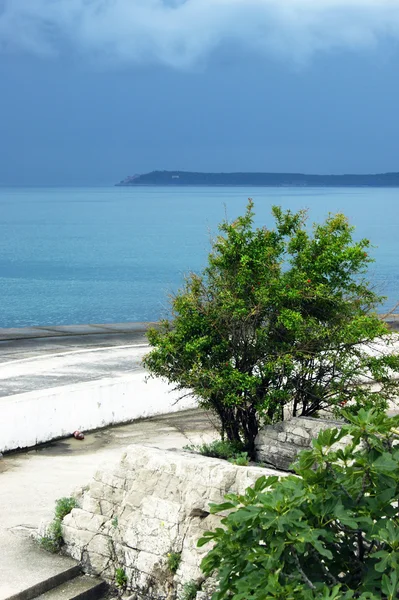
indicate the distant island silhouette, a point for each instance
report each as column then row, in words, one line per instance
column 182, row 178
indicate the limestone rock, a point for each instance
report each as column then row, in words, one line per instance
column 208, row 588
column 42, row 531
column 152, row 503
column 277, row 446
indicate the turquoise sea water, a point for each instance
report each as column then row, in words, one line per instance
column 98, row 255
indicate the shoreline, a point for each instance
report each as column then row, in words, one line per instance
column 257, row 185
column 132, row 327
column 65, row 331
column 267, row 179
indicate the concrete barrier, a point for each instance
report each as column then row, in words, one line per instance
column 35, row 417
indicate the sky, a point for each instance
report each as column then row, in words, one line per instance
column 94, row 90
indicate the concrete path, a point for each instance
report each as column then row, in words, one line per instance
column 25, row 333
column 67, row 355
column 94, row 370
column 65, row 366
column 28, row 342
column 31, row 482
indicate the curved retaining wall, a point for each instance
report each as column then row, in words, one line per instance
column 44, row 415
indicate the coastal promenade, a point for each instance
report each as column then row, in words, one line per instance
column 35, row 358
column 69, row 371
column 27, row 342
column 55, row 380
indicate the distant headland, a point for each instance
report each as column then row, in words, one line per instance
column 182, row 178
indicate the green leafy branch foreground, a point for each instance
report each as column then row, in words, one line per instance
column 282, row 315
column 331, row 532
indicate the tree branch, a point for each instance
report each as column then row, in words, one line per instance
column 301, row 571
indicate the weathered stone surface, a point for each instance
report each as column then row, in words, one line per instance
column 208, row 588
column 277, row 446
column 152, row 503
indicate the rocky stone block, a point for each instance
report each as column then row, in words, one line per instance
column 277, row 446
column 151, row 503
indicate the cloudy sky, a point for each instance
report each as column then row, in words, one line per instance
column 94, row 90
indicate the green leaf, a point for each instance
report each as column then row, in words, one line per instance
column 217, row 508
column 345, row 517
column 204, row 540
column 382, row 565
column 385, row 463
column 390, row 585
column 264, row 482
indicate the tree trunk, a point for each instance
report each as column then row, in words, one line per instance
column 248, row 419
column 239, row 424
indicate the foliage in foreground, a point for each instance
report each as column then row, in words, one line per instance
column 332, row 533
column 52, row 541
column 281, row 315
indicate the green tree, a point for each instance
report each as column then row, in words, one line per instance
column 279, row 316
column 331, row 533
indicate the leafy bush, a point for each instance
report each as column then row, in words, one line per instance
column 52, row 542
column 281, row 315
column 174, row 559
column 331, row 533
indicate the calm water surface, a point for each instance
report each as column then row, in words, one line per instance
column 101, row 255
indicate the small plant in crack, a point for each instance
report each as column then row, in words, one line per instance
column 120, row 578
column 217, row 449
column 190, row 589
column 241, row 459
column 53, row 540
column 174, row 559
column 115, row 522
column 63, row 507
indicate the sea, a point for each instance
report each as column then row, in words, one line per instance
column 116, row 254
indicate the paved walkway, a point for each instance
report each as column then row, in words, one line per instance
column 31, row 482
column 25, row 333
column 39, row 341
column 69, row 366
column 67, row 355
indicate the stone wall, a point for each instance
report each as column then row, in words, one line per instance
column 277, row 446
column 154, row 502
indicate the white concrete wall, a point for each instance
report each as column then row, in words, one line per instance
column 40, row 416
